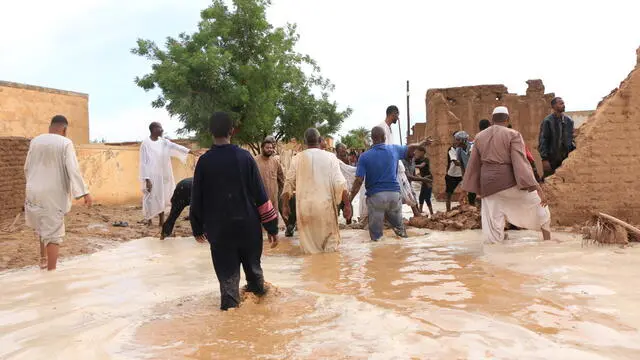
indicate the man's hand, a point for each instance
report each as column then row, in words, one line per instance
column 273, row 240
column 546, row 166
column 201, row 238
column 148, row 184
column 543, row 198
column 88, row 200
column 347, row 212
column 426, row 142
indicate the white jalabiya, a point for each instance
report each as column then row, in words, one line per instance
column 523, row 208
column 315, row 177
column 349, row 173
column 408, row 197
column 52, row 176
column 155, row 165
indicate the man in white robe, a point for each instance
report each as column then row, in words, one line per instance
column 406, row 191
column 315, row 177
column 52, row 175
column 156, row 173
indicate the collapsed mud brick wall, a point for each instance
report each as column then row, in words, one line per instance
column 603, row 173
column 13, row 152
column 461, row 108
column 26, row 110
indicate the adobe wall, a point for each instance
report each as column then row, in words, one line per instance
column 26, row 111
column 461, row 108
column 110, row 172
column 602, row 173
column 13, row 152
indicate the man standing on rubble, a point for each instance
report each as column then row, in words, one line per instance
column 556, row 138
column 499, row 172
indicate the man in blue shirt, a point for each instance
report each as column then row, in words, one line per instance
column 378, row 168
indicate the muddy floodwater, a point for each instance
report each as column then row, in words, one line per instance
column 433, row 296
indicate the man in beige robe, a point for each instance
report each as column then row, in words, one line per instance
column 53, row 176
column 500, row 173
column 315, row 177
column 271, row 171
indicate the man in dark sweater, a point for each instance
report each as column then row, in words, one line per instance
column 556, row 138
column 228, row 204
column 181, row 199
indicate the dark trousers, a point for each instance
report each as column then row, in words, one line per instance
column 176, row 210
column 227, row 257
column 472, row 198
column 425, row 195
column 555, row 164
column 291, row 222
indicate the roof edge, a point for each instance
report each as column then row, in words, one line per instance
column 41, row 89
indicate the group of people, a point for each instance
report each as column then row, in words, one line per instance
column 234, row 196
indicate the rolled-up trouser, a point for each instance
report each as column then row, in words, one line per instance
column 519, row 207
column 379, row 205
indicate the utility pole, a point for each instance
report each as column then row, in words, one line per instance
column 408, row 115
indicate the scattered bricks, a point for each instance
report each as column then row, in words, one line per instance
column 461, row 217
column 13, row 152
column 605, row 168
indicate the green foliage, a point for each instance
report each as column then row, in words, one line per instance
column 359, row 138
column 239, row 63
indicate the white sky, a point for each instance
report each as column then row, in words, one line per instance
column 580, row 49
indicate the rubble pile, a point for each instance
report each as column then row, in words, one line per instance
column 463, row 217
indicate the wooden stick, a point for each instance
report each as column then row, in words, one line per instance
column 627, row 226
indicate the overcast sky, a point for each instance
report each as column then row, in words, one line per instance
column 581, row 50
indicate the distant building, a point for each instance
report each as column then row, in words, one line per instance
column 26, row 111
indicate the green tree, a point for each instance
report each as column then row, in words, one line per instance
column 239, row 63
column 359, row 138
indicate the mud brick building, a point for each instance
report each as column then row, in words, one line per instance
column 460, row 108
column 603, row 173
column 13, row 152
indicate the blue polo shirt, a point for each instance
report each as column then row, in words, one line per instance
column 379, row 167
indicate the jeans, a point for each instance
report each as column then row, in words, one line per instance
column 380, row 204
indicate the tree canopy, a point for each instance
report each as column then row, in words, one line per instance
column 359, row 138
column 238, row 62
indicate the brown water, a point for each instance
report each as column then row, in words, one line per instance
column 435, row 296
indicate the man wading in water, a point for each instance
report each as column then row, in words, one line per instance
column 228, row 204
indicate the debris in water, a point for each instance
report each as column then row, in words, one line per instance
column 604, row 229
column 462, row 217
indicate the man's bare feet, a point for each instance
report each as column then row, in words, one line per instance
column 43, row 263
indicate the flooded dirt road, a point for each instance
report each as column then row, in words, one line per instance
column 433, row 296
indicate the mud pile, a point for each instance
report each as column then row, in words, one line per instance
column 463, row 217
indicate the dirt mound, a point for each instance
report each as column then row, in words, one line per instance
column 463, row 217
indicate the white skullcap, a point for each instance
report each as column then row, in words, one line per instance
column 501, row 110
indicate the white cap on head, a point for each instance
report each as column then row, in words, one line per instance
column 500, row 110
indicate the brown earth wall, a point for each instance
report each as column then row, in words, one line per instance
column 13, row 152
column 461, row 108
column 26, row 111
column 602, row 173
